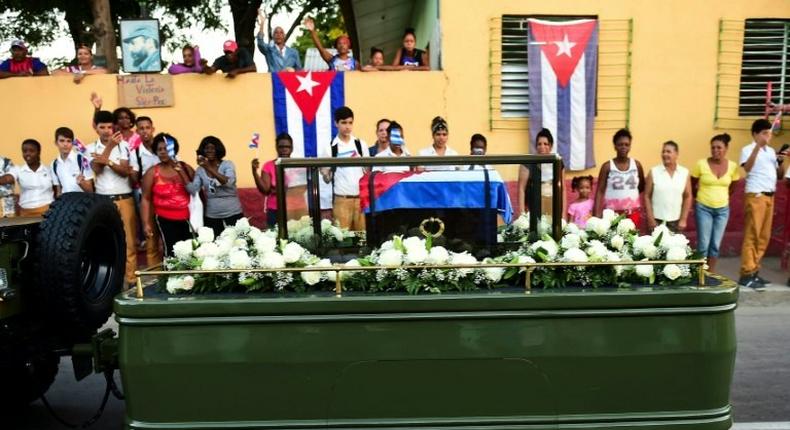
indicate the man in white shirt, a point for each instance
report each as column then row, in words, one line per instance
column 110, row 163
column 345, row 180
column 763, row 168
column 142, row 159
column 71, row 172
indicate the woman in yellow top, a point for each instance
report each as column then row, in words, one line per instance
column 713, row 179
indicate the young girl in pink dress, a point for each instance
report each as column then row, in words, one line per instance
column 581, row 210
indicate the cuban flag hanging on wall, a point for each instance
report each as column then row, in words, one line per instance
column 563, row 69
column 303, row 106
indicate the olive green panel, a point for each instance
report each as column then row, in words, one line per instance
column 625, row 359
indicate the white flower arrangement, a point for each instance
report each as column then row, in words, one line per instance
column 610, row 238
column 301, row 231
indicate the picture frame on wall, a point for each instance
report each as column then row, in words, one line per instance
column 140, row 46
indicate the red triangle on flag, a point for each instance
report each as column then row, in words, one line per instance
column 563, row 44
column 307, row 90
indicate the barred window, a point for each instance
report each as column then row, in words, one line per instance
column 766, row 57
column 515, row 77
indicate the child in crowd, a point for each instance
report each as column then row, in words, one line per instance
column 71, row 172
column 581, row 210
column 345, row 180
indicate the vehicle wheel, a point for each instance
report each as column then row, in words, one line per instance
column 81, row 259
column 27, row 366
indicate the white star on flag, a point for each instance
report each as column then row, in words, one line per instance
column 306, row 83
column 564, row 46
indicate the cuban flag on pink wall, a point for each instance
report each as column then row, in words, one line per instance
column 563, row 69
column 303, row 105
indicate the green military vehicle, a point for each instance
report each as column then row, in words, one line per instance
column 508, row 358
column 58, row 278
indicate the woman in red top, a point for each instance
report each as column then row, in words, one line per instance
column 165, row 192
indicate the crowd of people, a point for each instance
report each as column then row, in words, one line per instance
column 235, row 59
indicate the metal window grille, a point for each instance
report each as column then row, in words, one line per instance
column 514, row 101
column 766, row 57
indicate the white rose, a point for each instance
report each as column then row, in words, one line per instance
column 571, row 228
column 416, row 255
column 179, row 283
column 205, row 235
column 494, row 274
column 650, row 251
column 242, row 225
column 224, row 245
column 644, row 270
column 548, row 245
column 350, row 263
column 325, row 224
column 524, row 259
column 596, row 249
column 674, row 241
column 522, row 222
column 570, row 240
column 676, row 254
column 292, row 252
column 240, row 243
column 310, row 278
column 293, row 225
column 324, row 262
column 663, row 230
column 438, row 255
column 229, row 233
column 617, row 242
column 464, row 258
column 672, row 271
column 391, row 257
column 207, row 250
column 337, row 233
column 255, row 233
column 387, row 245
column 271, row 260
column 210, row 263
column 626, row 226
column 264, row 244
column 239, row 259
column 598, row 226
column 183, row 249
column 575, row 255
column 609, row 216
column 413, row 242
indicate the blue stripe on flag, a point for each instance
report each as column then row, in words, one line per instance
column 338, row 96
column 563, row 138
column 280, row 110
column 535, row 93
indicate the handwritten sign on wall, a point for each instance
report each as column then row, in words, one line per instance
column 145, row 91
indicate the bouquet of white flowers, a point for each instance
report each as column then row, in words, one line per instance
column 301, row 231
column 242, row 247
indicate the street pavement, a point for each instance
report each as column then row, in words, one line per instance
column 760, row 390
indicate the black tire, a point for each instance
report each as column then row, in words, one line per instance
column 27, row 366
column 81, row 258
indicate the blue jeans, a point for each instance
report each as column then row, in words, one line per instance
column 711, row 223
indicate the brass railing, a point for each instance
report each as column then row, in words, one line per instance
column 529, row 268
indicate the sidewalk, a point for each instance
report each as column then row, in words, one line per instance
column 777, row 292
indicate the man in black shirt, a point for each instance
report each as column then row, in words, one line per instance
column 235, row 61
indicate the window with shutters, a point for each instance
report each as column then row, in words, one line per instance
column 509, row 77
column 765, row 58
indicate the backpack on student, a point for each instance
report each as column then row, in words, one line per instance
column 80, row 160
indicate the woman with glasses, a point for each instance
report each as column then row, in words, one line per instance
column 217, row 179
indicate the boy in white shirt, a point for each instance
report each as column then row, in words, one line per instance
column 71, row 172
column 345, row 180
column 110, row 163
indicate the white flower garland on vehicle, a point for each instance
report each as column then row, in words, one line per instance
column 242, row 247
column 610, row 238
